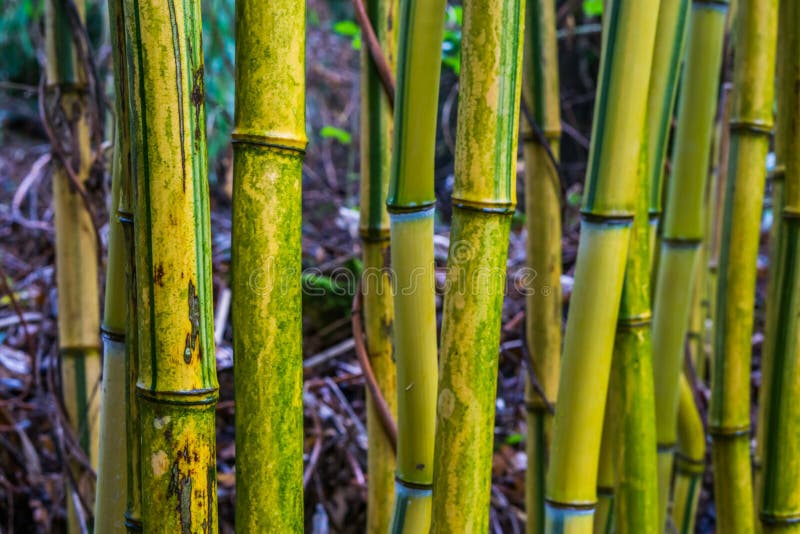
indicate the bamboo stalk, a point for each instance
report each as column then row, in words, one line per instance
column 411, row 203
column 66, row 107
column 484, row 199
column 689, row 460
column 540, row 91
column 629, row 430
column 750, row 127
column 779, row 502
column 124, row 33
column 112, row 479
column 269, row 143
column 176, row 385
column 114, row 467
column 376, row 150
column 608, row 210
column 673, row 19
column 682, row 233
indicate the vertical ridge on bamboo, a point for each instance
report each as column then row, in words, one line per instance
column 269, row 143
column 176, row 385
column 376, row 158
column 484, row 199
column 750, row 126
column 543, row 316
column 607, row 215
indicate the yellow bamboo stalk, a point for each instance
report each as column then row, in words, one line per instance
column 66, row 104
column 750, row 126
column 176, row 384
column 269, row 143
column 540, row 90
column 683, row 224
column 608, row 209
column 690, row 460
column 484, row 198
column 411, row 203
column 376, row 151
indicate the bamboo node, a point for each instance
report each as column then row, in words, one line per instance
column 194, row 397
column 724, row 433
column 484, row 206
column 751, row 126
column 269, row 140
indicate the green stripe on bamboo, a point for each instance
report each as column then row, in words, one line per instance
column 484, row 198
column 269, row 142
column 176, row 384
column 376, row 158
column 540, row 92
column 684, row 223
column 750, row 126
column 608, row 210
column 410, row 203
column 779, row 503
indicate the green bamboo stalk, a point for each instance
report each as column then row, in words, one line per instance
column 608, row 210
column 689, row 460
column 269, row 143
column 66, row 105
column 113, row 473
column 376, row 157
column 773, row 300
column 682, row 232
column 411, row 203
column 124, row 33
column 750, row 127
column 177, row 385
column 627, row 429
column 673, row 16
column 636, row 499
column 779, row 502
column 484, row 198
column 540, row 91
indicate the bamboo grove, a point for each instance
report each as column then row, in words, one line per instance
column 618, row 434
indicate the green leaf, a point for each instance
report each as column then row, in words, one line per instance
column 454, row 62
column 332, row 132
column 348, row 28
column 514, row 439
column 454, row 15
column 356, row 42
column 592, row 8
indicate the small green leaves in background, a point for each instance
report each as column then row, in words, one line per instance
column 592, row 8
column 451, row 45
column 514, row 439
column 348, row 28
column 332, row 132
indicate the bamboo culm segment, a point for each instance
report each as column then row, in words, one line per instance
column 66, row 104
column 779, row 503
column 608, row 209
column 410, row 203
column 269, row 142
column 673, row 19
column 750, row 127
column 689, row 460
column 484, row 198
column 176, row 384
column 112, row 474
column 376, row 153
column 684, row 224
column 540, row 91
